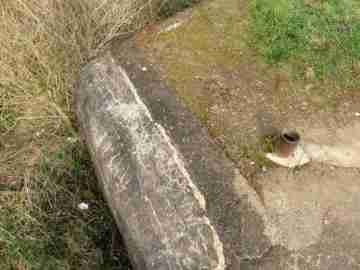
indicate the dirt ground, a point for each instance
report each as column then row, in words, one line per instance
column 204, row 55
column 207, row 61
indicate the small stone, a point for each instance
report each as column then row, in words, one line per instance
column 310, row 73
column 259, row 83
column 83, row 206
column 309, row 87
column 39, row 133
column 357, row 114
column 71, row 139
column 264, row 169
column 252, row 163
column 144, row 68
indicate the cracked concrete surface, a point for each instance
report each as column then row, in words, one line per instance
column 340, row 148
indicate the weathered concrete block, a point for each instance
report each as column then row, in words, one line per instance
column 172, row 192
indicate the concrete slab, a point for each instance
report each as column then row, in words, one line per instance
column 303, row 218
column 316, row 217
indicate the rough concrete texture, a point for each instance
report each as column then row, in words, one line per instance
column 304, row 218
column 338, row 148
column 143, row 175
column 170, row 189
column 316, row 208
column 315, row 216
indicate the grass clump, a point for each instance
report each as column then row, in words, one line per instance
column 319, row 39
column 43, row 45
column 41, row 226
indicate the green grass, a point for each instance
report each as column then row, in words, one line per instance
column 319, row 39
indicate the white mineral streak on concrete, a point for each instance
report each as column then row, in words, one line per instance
column 167, row 243
column 133, row 113
column 180, row 164
column 134, row 92
column 339, row 155
column 198, row 195
column 340, row 147
column 97, row 138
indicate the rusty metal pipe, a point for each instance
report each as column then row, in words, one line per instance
column 286, row 143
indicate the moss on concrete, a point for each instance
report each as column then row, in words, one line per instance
column 214, row 35
column 208, row 61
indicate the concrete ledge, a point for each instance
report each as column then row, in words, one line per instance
column 171, row 191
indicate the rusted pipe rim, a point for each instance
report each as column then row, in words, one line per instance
column 291, row 137
column 286, row 143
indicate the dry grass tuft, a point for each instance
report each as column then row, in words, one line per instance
column 43, row 45
column 44, row 172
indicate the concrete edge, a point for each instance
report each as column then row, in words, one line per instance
column 116, row 117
